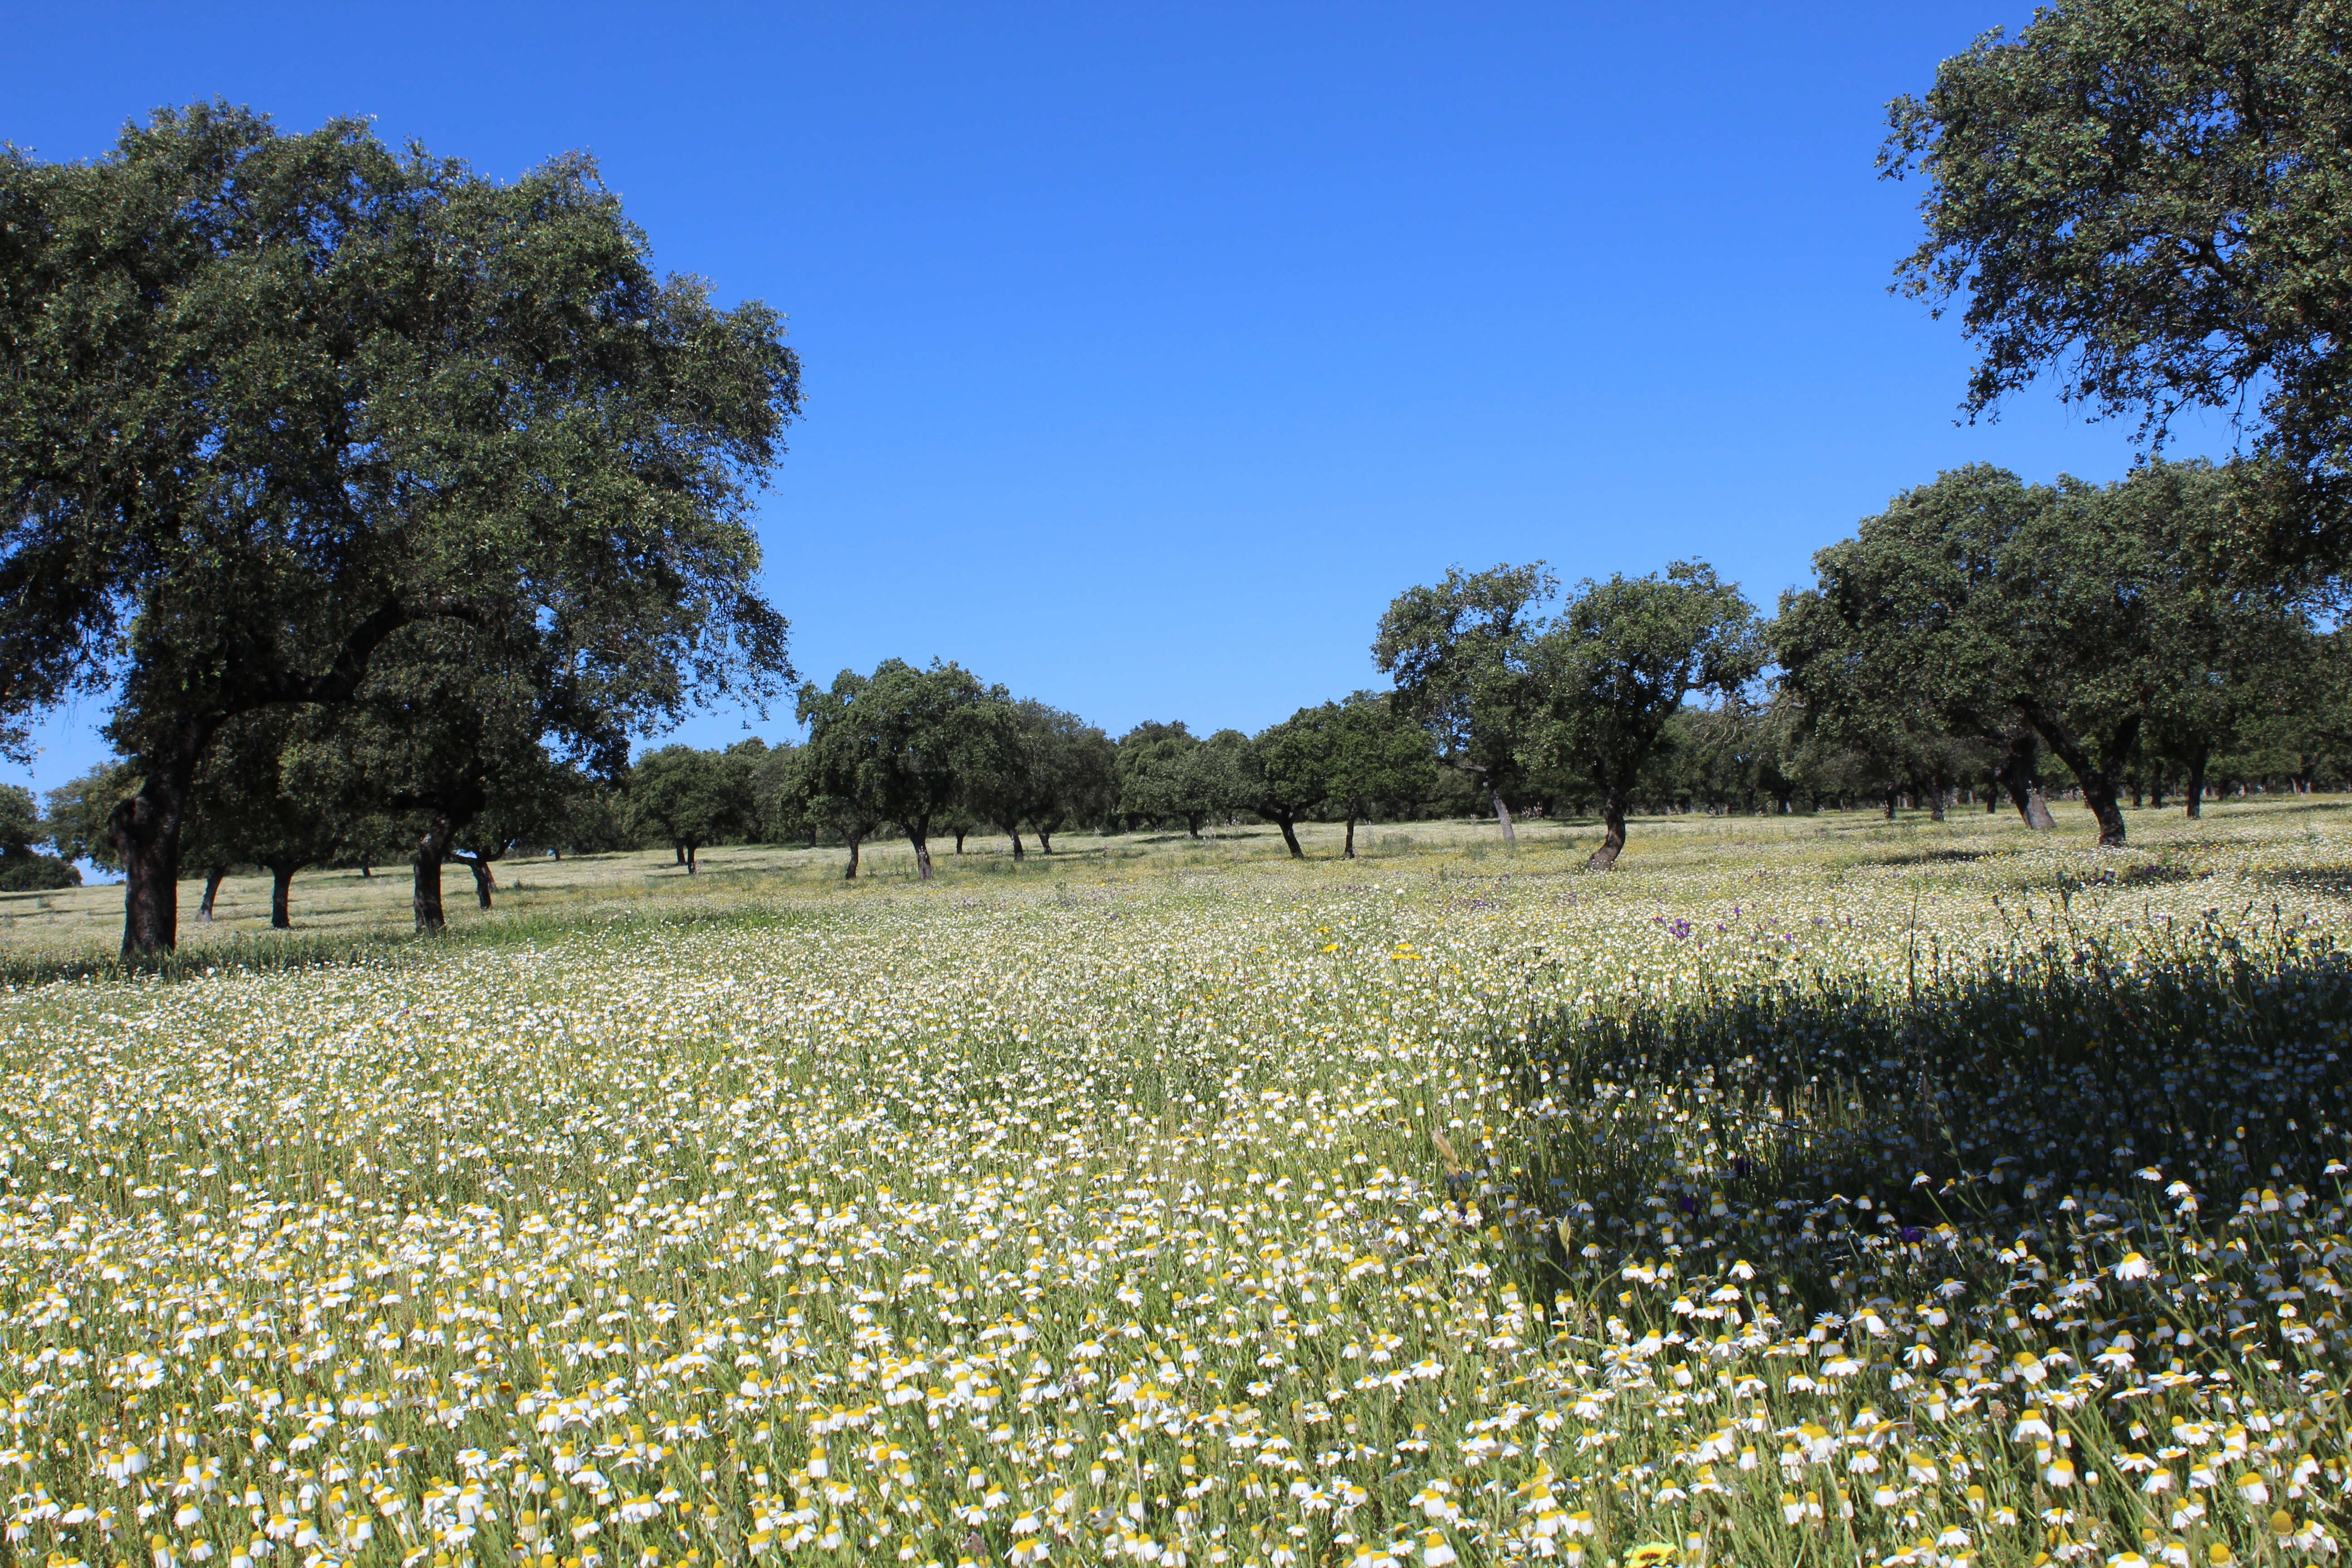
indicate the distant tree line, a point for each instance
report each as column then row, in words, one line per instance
column 1982, row 639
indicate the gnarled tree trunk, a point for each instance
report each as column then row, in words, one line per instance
column 2098, row 782
column 432, row 849
column 486, row 881
column 213, row 876
column 1290, row 836
column 1503, row 816
column 1613, row 835
column 856, row 841
column 2016, row 775
column 1347, row 850
column 921, row 840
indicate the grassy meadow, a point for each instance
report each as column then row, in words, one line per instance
column 1811, row 1190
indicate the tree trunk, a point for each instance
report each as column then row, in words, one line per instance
column 2016, row 775
column 692, row 849
column 366, row 870
column 959, row 836
column 281, row 884
column 1348, row 852
column 1193, row 824
column 679, row 850
column 856, row 840
column 1937, row 798
column 1503, row 816
column 1044, row 838
column 1891, row 796
column 2196, row 790
column 922, row 843
column 2099, row 784
column 1290, row 837
column 2156, row 792
column 485, row 881
column 432, row 848
column 1612, row 836
column 146, row 833
column 213, row 876
column 1019, row 853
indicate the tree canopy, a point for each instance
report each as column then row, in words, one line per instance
column 2148, row 200
column 347, row 390
column 1621, row 658
column 1458, row 654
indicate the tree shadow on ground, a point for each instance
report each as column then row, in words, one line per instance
column 1835, row 1132
column 1928, row 857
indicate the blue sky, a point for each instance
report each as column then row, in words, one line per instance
column 1150, row 350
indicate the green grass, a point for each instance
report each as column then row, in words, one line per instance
column 1812, row 1190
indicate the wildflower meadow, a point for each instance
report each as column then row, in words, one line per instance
column 1805, row 1190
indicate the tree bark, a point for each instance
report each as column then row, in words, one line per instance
column 1290, row 836
column 856, row 840
column 959, row 838
column 1348, row 851
column 367, row 870
column 2099, row 784
column 692, row 850
column 922, row 843
column 2156, row 792
column 432, row 849
column 1612, row 836
column 1503, row 816
column 1937, row 798
column 213, row 876
column 281, row 885
column 678, row 849
column 2196, row 790
column 2016, row 775
column 146, row 834
column 1019, row 853
column 1891, row 797
column 1044, row 839
column 484, row 880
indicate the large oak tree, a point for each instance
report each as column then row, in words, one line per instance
column 267, row 399
column 2150, row 200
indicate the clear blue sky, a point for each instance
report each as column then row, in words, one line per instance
column 1150, row 350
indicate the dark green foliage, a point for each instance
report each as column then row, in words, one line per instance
column 2085, row 618
column 20, row 821
column 80, row 810
column 33, row 873
column 1050, row 767
column 2149, row 199
column 1352, row 760
column 1458, row 653
column 1168, row 773
column 901, row 746
column 23, row 868
column 687, row 798
column 1619, row 662
column 350, row 392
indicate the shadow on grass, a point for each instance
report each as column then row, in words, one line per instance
column 1928, row 857
column 1852, row 1139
